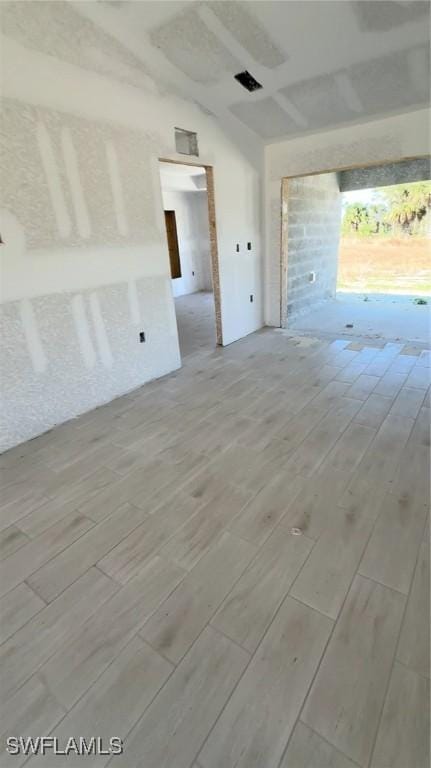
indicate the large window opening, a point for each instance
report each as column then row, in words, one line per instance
column 355, row 252
column 384, row 243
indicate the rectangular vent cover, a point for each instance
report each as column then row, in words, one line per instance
column 247, row 81
column 186, row 142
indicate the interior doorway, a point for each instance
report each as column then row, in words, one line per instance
column 189, row 210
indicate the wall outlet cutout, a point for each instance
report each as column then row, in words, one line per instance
column 237, row 247
column 141, row 336
column 193, row 274
column 251, row 298
column 249, row 246
column 311, row 277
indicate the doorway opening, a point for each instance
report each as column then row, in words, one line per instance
column 355, row 252
column 189, row 210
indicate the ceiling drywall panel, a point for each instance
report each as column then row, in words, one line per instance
column 319, row 100
column 393, row 82
column 265, row 117
column 381, row 15
column 56, row 29
column 249, row 32
column 322, row 63
column 188, row 44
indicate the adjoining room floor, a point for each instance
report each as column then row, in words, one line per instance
column 377, row 316
column 228, row 567
column 196, row 322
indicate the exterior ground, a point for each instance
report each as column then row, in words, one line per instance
column 376, row 316
column 385, row 265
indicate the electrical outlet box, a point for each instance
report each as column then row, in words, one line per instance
column 237, row 247
column 251, row 298
column 249, row 246
column 311, row 277
column 141, row 337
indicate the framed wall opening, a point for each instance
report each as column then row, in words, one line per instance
column 313, row 221
column 191, row 231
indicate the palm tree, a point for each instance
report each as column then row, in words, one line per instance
column 408, row 204
column 355, row 215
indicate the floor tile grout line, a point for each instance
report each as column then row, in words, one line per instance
column 388, row 682
column 176, row 666
column 36, row 671
column 331, row 634
column 412, row 670
column 45, row 604
column 84, row 693
column 54, row 556
column 239, row 577
column 252, row 656
column 208, row 623
column 135, row 634
column 337, row 749
column 231, row 639
column 95, row 524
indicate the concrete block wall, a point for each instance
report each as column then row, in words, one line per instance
column 376, row 142
column 313, row 232
column 405, row 172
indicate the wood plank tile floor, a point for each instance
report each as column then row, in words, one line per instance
column 228, row 567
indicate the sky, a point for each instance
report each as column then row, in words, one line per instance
column 363, row 196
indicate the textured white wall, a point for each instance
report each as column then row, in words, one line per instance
column 379, row 141
column 85, row 265
column 191, row 213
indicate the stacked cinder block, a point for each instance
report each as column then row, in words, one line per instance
column 314, row 217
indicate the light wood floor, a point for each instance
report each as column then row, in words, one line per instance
column 196, row 322
column 153, row 587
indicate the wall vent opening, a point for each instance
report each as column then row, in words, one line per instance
column 247, row 81
column 186, row 142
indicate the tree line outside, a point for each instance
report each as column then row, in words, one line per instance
column 404, row 209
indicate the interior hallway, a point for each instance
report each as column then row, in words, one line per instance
column 196, row 322
column 153, row 587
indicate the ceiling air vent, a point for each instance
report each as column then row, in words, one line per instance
column 247, row 81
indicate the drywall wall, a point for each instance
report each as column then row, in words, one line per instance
column 191, row 213
column 385, row 175
column 313, row 234
column 379, row 141
column 85, row 264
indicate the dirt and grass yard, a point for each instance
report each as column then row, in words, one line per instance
column 385, row 265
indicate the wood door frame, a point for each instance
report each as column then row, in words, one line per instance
column 212, row 227
column 284, row 216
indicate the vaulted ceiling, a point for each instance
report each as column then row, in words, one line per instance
column 321, row 64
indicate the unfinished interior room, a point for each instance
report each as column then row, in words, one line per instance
column 215, row 377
